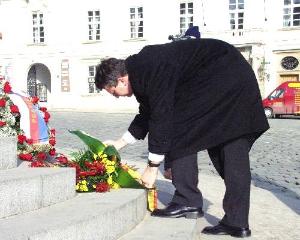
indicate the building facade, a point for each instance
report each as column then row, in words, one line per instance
column 50, row 48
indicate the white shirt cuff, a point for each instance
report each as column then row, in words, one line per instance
column 127, row 137
column 156, row 158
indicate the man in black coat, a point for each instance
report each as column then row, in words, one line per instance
column 193, row 95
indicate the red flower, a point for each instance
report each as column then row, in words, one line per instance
column 29, row 141
column 83, row 174
column 37, row 164
column 99, row 168
column 102, row 187
column 52, row 152
column 43, row 109
column 21, row 139
column 2, row 102
column 25, row 156
column 46, row 116
column 35, row 100
column 62, row 159
column 14, row 109
column 7, row 87
column 2, row 123
column 41, row 156
column 52, row 132
column 52, row 141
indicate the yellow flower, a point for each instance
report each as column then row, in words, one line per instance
column 110, row 169
column 82, row 186
column 115, row 185
column 110, row 166
column 110, row 180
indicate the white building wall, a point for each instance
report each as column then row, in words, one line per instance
column 263, row 40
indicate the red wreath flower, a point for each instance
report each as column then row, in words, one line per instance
column 52, row 132
column 62, row 159
column 2, row 102
column 14, row 109
column 102, row 187
column 41, row 156
column 21, row 139
column 52, row 141
column 37, row 164
column 25, row 156
column 43, row 109
column 7, row 87
column 46, row 116
column 52, row 152
column 35, row 100
column 2, row 123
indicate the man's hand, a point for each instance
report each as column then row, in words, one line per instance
column 149, row 176
column 118, row 144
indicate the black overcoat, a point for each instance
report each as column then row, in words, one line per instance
column 193, row 95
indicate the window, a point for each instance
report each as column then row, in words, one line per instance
column 94, row 25
column 136, row 22
column 42, row 92
column 91, row 80
column 291, row 13
column 278, row 93
column 31, row 82
column 186, row 16
column 38, row 27
column 236, row 14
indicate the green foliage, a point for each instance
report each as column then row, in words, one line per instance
column 93, row 144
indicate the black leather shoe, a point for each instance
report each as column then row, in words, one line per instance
column 175, row 210
column 222, row 229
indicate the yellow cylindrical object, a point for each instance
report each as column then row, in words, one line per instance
column 152, row 199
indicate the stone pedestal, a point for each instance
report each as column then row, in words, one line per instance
column 8, row 152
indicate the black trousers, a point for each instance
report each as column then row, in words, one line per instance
column 231, row 160
column 185, row 179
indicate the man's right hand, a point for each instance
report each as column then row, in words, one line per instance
column 118, row 144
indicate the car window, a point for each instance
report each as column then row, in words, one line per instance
column 278, row 93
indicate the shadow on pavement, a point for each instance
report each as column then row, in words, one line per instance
column 165, row 194
column 290, row 198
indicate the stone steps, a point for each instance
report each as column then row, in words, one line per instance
column 88, row 216
column 28, row 189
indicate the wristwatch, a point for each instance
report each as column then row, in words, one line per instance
column 152, row 164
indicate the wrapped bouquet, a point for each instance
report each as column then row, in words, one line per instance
column 99, row 168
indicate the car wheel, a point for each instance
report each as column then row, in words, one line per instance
column 269, row 112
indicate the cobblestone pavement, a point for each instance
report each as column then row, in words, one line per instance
column 275, row 157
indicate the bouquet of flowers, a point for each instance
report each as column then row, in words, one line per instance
column 99, row 167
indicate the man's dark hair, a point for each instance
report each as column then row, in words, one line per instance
column 108, row 72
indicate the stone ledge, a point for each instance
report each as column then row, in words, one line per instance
column 27, row 189
column 8, row 152
column 88, row 216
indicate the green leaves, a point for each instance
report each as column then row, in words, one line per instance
column 112, row 151
column 93, row 144
column 125, row 180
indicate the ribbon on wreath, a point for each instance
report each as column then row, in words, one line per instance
column 31, row 121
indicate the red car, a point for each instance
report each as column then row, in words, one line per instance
column 284, row 100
